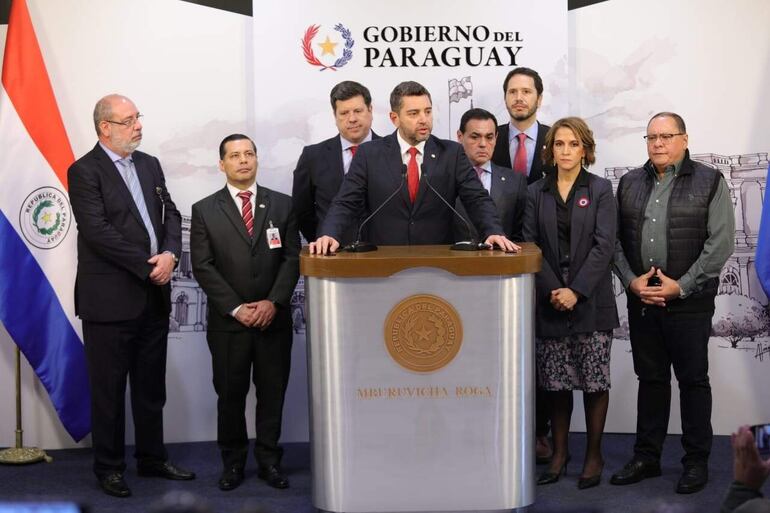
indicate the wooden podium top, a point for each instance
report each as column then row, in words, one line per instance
column 388, row 260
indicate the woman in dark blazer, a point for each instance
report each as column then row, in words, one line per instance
column 571, row 216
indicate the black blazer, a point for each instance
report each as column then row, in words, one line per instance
column 113, row 244
column 509, row 192
column 233, row 268
column 376, row 173
column 502, row 154
column 317, row 178
column 592, row 245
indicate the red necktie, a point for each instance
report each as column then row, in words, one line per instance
column 412, row 175
column 353, row 149
column 248, row 217
column 520, row 159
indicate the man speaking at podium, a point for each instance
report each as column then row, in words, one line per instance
column 417, row 167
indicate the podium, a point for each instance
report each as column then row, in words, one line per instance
column 421, row 376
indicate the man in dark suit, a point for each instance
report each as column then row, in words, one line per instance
column 519, row 146
column 478, row 135
column 321, row 167
column 129, row 236
column 523, row 92
column 404, row 162
column 244, row 248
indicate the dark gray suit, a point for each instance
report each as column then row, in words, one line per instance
column 376, row 173
column 317, row 178
column 125, row 316
column 593, row 222
column 502, row 153
column 509, row 192
column 234, row 268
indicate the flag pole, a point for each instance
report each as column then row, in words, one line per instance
column 21, row 455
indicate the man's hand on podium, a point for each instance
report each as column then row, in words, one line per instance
column 323, row 246
column 502, row 242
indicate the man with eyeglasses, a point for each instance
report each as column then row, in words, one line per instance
column 675, row 233
column 129, row 236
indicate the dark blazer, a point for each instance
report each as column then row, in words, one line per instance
column 592, row 244
column 502, row 154
column 376, row 172
column 113, row 244
column 233, row 268
column 509, row 192
column 317, row 178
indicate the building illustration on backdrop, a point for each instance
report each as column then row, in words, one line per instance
column 188, row 302
column 746, row 177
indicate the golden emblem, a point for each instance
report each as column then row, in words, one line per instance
column 423, row 333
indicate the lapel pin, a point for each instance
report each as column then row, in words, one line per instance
column 433, row 155
column 502, row 178
column 261, row 205
column 583, row 202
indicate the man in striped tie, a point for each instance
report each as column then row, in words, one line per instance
column 129, row 236
column 244, row 247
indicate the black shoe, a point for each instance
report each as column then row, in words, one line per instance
column 113, row 484
column 165, row 470
column 634, row 471
column 274, row 477
column 694, row 479
column 589, row 482
column 230, row 479
column 549, row 477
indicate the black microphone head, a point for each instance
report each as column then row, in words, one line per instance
column 403, row 170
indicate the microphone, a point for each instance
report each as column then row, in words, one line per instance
column 362, row 247
column 159, row 193
column 466, row 245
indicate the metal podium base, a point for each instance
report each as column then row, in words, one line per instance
column 23, row 456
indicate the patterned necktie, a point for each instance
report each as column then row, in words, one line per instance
column 248, row 216
column 353, row 149
column 520, row 159
column 135, row 188
column 412, row 175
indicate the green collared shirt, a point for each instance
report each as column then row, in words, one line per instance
column 654, row 248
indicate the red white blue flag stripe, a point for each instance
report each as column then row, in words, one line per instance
column 37, row 233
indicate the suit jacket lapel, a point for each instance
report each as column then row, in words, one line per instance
column 334, row 161
column 497, row 187
column 260, row 216
column 148, row 191
column 113, row 175
column 429, row 158
column 537, row 161
column 227, row 205
column 581, row 203
column 396, row 164
column 551, row 226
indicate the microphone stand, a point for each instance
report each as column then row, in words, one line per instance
column 465, row 245
column 363, row 247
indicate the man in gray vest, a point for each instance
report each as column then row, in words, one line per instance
column 675, row 232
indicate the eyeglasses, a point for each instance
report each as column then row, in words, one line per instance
column 664, row 138
column 128, row 123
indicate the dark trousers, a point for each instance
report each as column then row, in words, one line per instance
column 660, row 340
column 238, row 359
column 135, row 350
